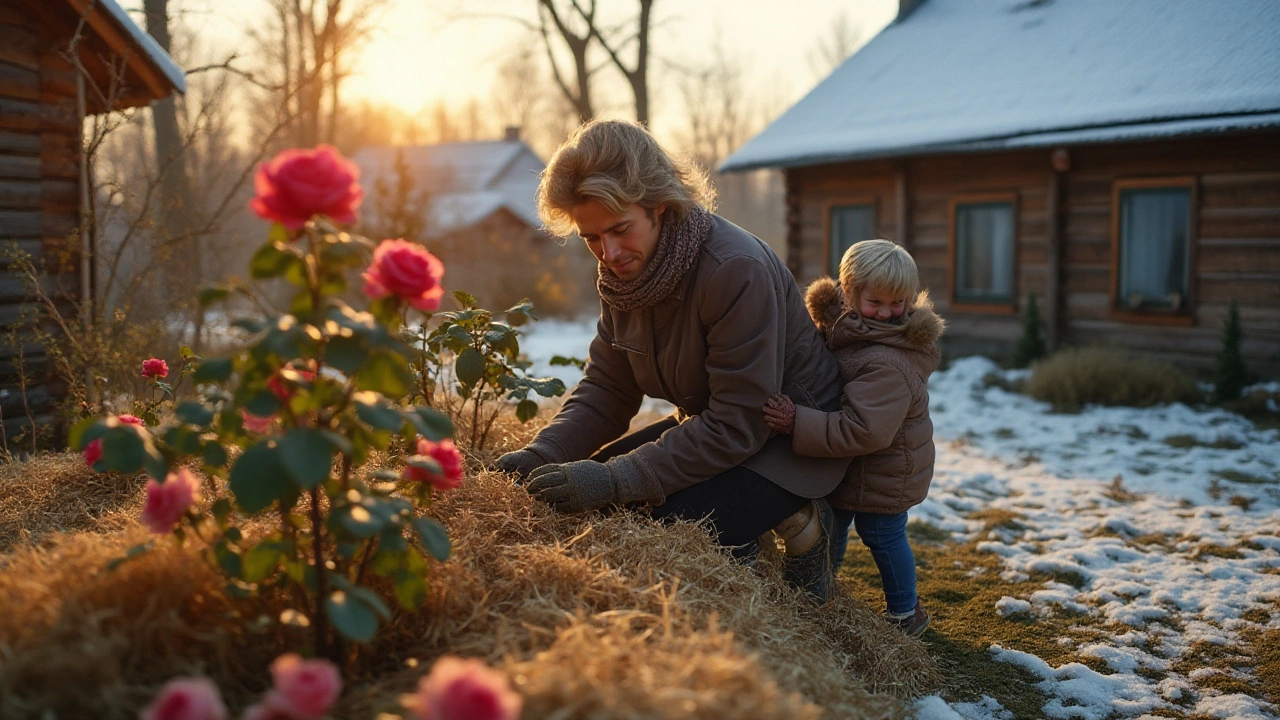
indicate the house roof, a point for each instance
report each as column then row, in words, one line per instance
column 964, row 75
column 155, row 72
column 465, row 181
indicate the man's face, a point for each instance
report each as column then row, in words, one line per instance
column 622, row 243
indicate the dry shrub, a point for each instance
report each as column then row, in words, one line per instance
column 1076, row 377
column 594, row 616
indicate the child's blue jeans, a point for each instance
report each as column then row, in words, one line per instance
column 886, row 537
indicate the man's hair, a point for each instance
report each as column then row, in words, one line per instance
column 881, row 265
column 620, row 164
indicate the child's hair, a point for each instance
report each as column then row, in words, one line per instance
column 879, row 264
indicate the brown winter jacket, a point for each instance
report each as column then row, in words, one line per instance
column 884, row 420
column 733, row 331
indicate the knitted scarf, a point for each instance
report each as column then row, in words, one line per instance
column 678, row 247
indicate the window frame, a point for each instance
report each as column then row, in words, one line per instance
column 872, row 201
column 953, row 243
column 1184, row 315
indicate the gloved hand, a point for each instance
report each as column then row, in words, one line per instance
column 520, row 463
column 574, row 487
column 780, row 413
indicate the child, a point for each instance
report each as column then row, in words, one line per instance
column 884, row 332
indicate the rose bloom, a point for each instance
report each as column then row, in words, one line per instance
column 155, row 368
column 460, row 689
column 303, row 688
column 443, row 452
column 186, row 699
column 93, row 451
column 276, row 383
column 167, row 502
column 256, row 423
column 408, row 271
column 297, row 184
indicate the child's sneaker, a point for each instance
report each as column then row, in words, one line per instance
column 912, row 624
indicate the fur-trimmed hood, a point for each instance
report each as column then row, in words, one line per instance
column 844, row 327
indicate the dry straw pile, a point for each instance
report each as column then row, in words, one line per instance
column 592, row 617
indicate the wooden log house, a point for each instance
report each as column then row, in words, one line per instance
column 1118, row 158
column 47, row 88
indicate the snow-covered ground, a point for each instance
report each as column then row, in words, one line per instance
column 1085, row 488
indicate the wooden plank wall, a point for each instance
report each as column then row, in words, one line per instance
column 1237, row 245
column 1237, row 251
column 39, row 200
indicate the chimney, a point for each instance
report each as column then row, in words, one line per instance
column 905, row 8
column 511, row 133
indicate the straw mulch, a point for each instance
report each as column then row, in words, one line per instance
column 59, row 493
column 591, row 617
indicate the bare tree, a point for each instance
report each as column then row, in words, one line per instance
column 835, row 46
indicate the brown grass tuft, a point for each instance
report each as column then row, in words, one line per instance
column 594, row 616
column 51, row 493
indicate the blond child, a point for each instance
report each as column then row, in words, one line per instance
column 884, row 333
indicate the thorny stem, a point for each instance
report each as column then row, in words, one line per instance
column 320, row 619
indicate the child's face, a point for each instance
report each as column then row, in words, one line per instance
column 880, row 304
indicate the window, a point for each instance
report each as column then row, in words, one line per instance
column 982, row 258
column 849, row 224
column 1152, row 247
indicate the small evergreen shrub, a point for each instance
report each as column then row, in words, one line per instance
column 1230, row 374
column 1031, row 346
column 1076, row 377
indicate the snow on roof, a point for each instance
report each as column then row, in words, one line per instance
column 983, row 74
column 150, row 48
column 466, row 181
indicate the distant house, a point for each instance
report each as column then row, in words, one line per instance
column 467, row 184
column 43, row 185
column 1118, row 158
column 480, row 214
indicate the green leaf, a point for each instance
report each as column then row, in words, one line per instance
column 385, row 372
column 431, row 424
column 84, row 432
column 546, row 387
column 252, row 325
column 210, row 294
column 214, row 454
column 213, row 370
column 434, row 537
column 183, row 439
column 123, row 450
column 371, row 600
column 470, row 367
column 262, row 560
column 410, row 590
column 465, row 299
column 346, row 354
column 517, row 318
column 307, row 456
column 221, row 510
column 228, row 560
column 338, row 441
column 526, row 410
column 258, row 478
column 133, row 552
column 359, row 520
column 353, row 618
column 370, row 410
column 557, row 360
column 271, row 260
column 264, row 403
column 196, row 413
column 279, row 234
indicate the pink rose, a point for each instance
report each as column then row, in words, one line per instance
column 297, row 184
column 167, row 502
column 304, row 688
column 186, row 699
column 443, row 452
column 276, row 383
column 93, row 451
column 155, row 368
column 460, row 689
column 257, row 423
column 408, row 271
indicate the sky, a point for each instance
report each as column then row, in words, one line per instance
column 447, row 50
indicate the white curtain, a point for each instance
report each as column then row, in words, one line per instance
column 1153, row 246
column 984, row 252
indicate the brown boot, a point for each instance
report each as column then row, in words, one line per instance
column 807, row 564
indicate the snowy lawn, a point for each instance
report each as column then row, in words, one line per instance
column 1116, row 563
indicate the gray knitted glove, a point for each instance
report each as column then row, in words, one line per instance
column 520, row 463
column 574, row 487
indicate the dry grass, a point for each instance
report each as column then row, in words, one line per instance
column 1076, row 377
column 52, row 493
column 592, row 617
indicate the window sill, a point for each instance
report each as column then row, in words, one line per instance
column 982, row 308
column 1153, row 318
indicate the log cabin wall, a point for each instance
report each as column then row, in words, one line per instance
column 40, row 128
column 1235, row 239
